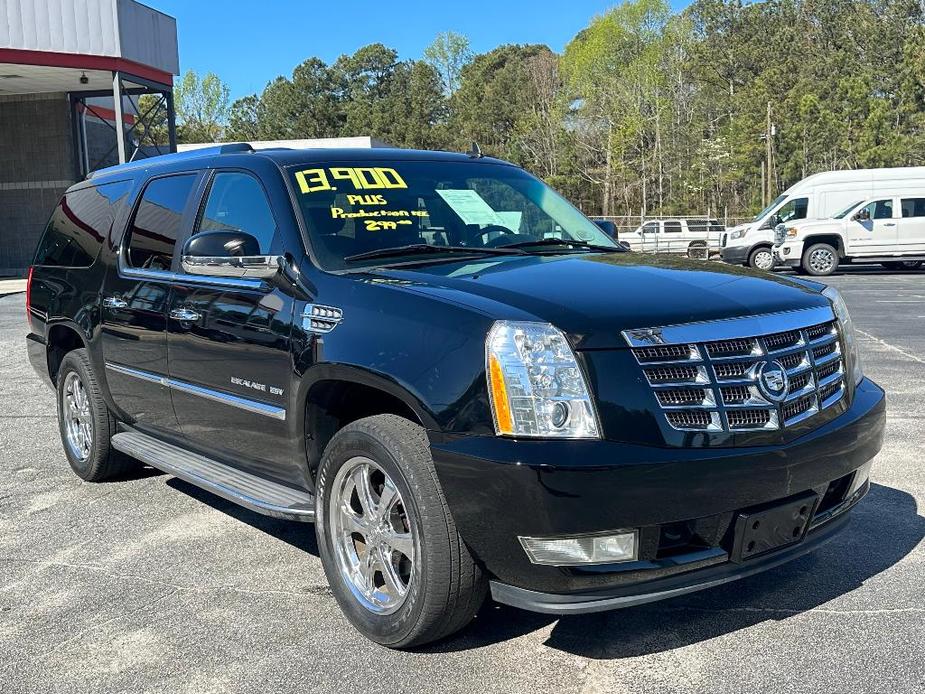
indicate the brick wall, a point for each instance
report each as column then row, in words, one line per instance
column 36, row 166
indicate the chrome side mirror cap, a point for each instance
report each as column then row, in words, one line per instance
column 249, row 266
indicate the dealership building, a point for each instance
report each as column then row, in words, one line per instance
column 83, row 84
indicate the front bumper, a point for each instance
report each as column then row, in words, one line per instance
column 789, row 253
column 499, row 489
column 735, row 255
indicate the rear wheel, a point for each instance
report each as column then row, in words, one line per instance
column 85, row 422
column 393, row 558
column 820, row 260
column 902, row 265
column 761, row 258
column 698, row 250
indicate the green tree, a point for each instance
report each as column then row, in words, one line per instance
column 449, row 53
column 201, row 106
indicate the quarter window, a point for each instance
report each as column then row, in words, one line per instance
column 79, row 225
column 913, row 207
column 237, row 203
column 154, row 231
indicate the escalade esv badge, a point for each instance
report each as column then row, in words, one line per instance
column 773, row 381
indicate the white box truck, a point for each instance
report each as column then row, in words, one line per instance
column 819, row 196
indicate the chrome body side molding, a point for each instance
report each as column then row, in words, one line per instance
column 247, row 404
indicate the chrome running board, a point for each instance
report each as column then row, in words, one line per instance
column 243, row 488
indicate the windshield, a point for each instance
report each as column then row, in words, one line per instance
column 777, row 201
column 848, row 209
column 356, row 209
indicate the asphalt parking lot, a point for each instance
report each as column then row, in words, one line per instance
column 150, row 585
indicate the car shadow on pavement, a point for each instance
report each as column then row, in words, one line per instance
column 299, row 535
column 885, row 527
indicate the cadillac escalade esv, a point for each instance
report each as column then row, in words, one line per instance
column 466, row 385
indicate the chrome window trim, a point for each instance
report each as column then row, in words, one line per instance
column 246, row 404
column 729, row 328
column 167, row 276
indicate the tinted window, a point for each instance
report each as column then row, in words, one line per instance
column 237, row 202
column 696, row 225
column 913, row 207
column 79, row 224
column 156, row 225
column 672, row 227
column 650, row 227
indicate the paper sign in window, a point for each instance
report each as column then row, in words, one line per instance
column 470, row 207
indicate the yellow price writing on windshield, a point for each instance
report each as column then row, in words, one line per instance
column 360, row 177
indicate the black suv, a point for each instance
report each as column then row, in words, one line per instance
column 463, row 382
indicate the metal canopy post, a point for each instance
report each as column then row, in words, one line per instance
column 117, row 108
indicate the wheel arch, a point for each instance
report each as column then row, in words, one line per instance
column 833, row 240
column 337, row 394
column 62, row 337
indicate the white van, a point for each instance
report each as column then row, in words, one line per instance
column 819, row 196
column 885, row 229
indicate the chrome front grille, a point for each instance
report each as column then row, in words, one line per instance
column 706, row 377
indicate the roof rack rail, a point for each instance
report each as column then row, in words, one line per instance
column 230, row 148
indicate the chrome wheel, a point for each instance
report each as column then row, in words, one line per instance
column 764, row 259
column 78, row 422
column 821, row 260
column 372, row 534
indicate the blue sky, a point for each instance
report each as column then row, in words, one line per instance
column 248, row 43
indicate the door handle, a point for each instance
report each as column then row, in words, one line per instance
column 185, row 315
column 115, row 302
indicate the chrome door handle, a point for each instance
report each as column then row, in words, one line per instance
column 115, row 302
column 185, row 315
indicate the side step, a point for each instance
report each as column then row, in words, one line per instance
column 243, row 488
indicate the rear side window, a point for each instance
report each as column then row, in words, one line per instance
column 156, row 226
column 79, row 225
column 913, row 207
column 237, row 203
column 672, row 227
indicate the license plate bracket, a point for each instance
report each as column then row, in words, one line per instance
column 772, row 526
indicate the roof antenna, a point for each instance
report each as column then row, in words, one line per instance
column 475, row 152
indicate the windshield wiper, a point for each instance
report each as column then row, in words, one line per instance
column 564, row 242
column 426, row 248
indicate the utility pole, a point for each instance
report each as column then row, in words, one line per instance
column 769, row 177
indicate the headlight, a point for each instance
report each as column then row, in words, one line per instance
column 535, row 384
column 738, row 234
column 852, row 356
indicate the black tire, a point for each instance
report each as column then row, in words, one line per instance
column 756, row 258
column 820, row 260
column 698, row 251
column 102, row 462
column 447, row 586
column 902, row 265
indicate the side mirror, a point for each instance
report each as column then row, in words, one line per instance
column 227, row 254
column 607, row 226
column 862, row 215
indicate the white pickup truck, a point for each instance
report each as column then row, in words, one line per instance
column 887, row 229
column 815, row 197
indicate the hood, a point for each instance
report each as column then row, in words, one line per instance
column 594, row 297
column 815, row 224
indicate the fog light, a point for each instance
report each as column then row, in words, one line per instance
column 786, row 251
column 586, row 549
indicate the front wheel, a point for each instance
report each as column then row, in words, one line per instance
column 820, row 260
column 761, row 259
column 391, row 553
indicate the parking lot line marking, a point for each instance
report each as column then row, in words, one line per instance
column 892, row 347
